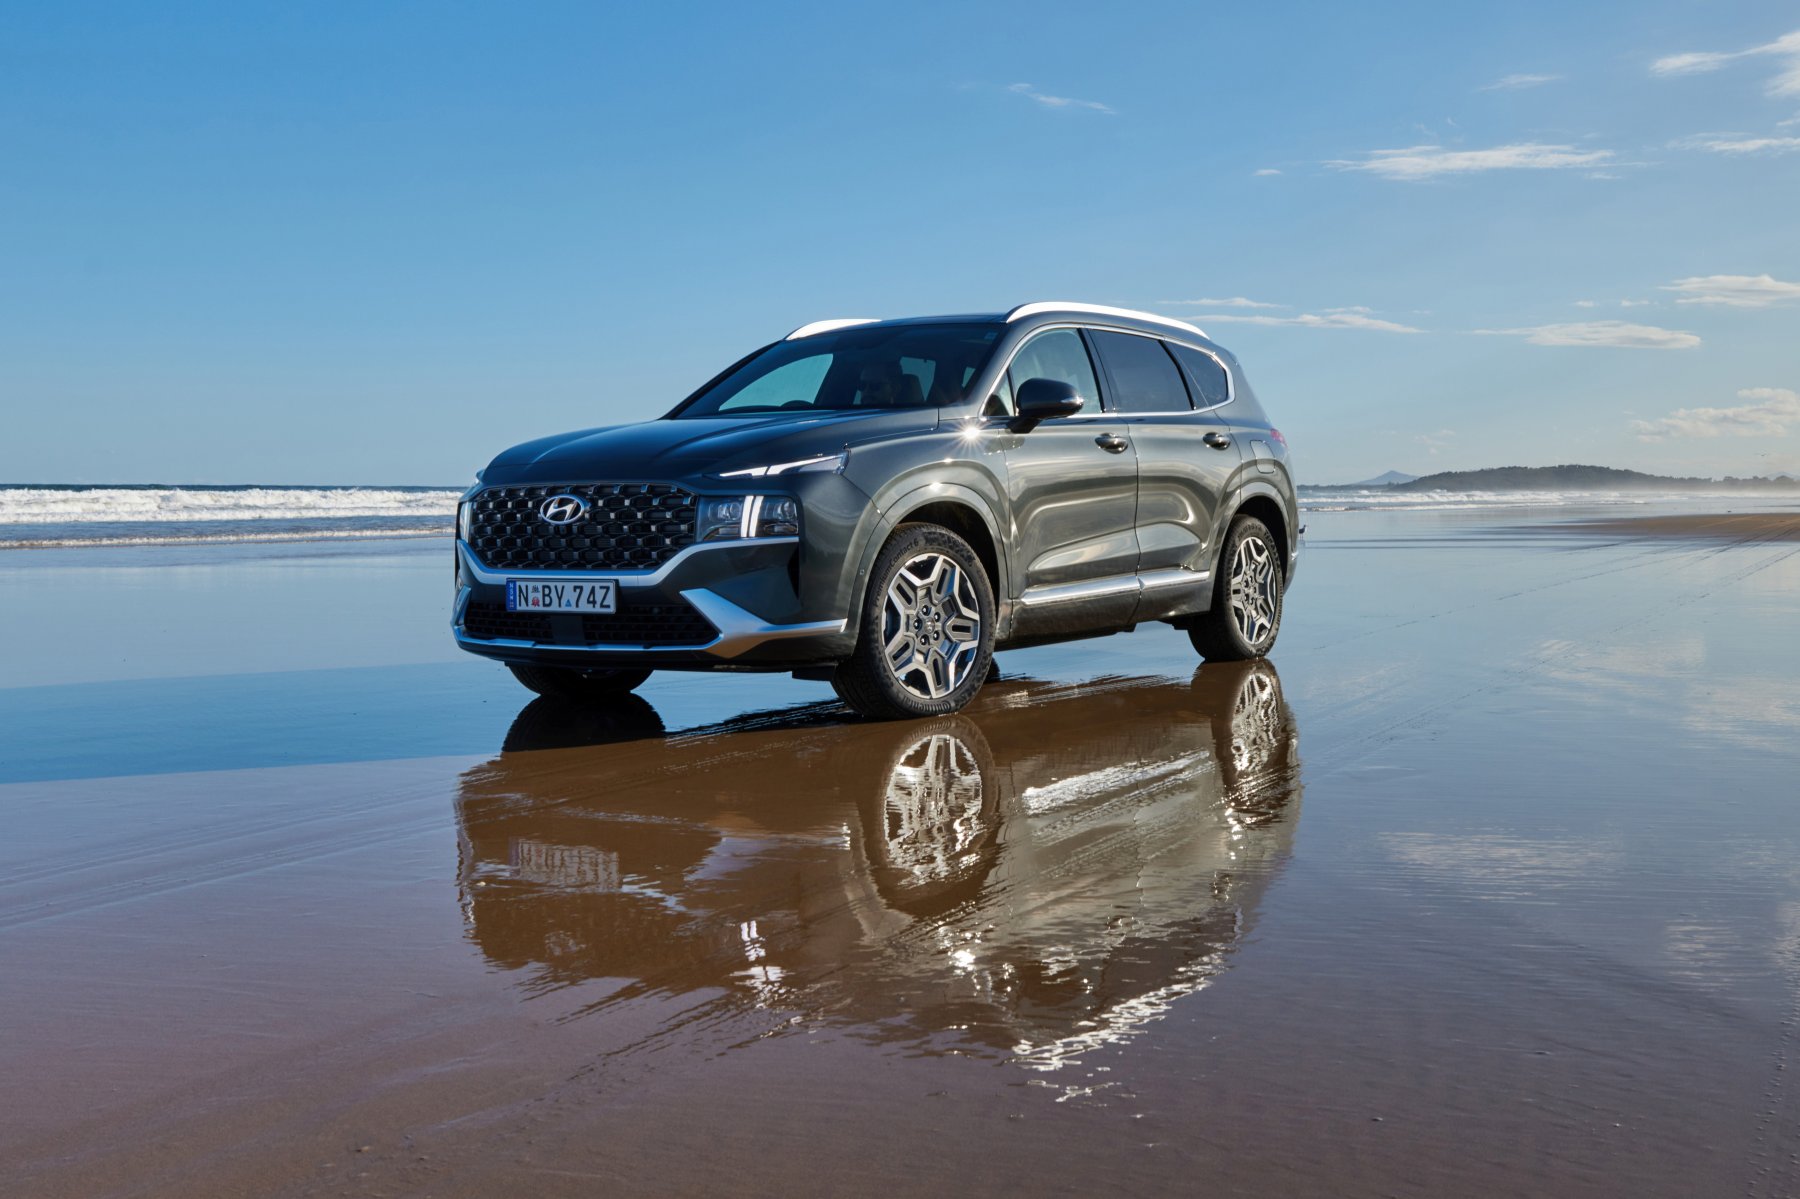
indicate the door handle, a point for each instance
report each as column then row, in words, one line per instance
column 1112, row 443
column 1217, row 441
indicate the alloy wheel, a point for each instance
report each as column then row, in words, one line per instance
column 931, row 625
column 1253, row 597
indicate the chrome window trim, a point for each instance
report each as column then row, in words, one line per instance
column 739, row 630
column 1033, row 336
column 478, row 570
column 1230, row 384
column 1180, row 373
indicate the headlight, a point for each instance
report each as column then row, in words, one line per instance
column 738, row 517
column 721, row 520
column 830, row 462
column 465, row 519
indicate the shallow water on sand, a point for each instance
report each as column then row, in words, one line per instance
column 1486, row 883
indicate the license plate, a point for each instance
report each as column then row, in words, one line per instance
column 594, row 595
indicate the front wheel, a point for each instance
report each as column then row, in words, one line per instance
column 1246, row 609
column 561, row 682
column 927, row 637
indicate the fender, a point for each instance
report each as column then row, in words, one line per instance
column 1258, row 486
column 892, row 511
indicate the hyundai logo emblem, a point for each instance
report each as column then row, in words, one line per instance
column 562, row 509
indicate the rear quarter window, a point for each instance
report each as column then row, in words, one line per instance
column 1206, row 375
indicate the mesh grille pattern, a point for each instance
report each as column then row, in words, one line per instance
column 640, row 622
column 488, row 621
column 627, row 526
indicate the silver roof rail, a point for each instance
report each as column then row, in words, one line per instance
column 842, row 322
column 1032, row 309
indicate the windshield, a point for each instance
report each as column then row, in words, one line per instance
column 888, row 366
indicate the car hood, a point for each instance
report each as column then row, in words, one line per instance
column 677, row 449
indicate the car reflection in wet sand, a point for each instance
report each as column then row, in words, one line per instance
column 1043, row 873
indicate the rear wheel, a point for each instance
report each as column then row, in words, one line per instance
column 562, row 682
column 1246, row 607
column 927, row 636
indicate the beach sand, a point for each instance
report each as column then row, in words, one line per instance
column 1723, row 526
column 1485, row 884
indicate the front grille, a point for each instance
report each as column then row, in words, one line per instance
column 488, row 621
column 637, row 622
column 627, row 526
column 662, row 623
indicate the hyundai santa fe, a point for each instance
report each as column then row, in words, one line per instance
column 883, row 504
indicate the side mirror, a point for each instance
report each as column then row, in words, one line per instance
column 1046, row 399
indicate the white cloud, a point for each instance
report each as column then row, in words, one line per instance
column 1737, row 291
column 1428, row 162
column 1332, row 318
column 1787, row 76
column 1513, row 83
column 1634, row 303
column 1233, row 302
column 1768, row 414
column 1266, row 171
column 1433, row 442
column 1025, row 89
column 1739, row 143
column 1614, row 334
column 1587, row 303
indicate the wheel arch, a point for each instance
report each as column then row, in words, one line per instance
column 1264, row 506
column 960, row 509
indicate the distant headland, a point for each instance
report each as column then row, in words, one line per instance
column 1559, row 478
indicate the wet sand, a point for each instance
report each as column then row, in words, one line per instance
column 1485, row 884
column 1723, row 526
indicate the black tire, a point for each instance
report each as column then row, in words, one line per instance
column 1245, row 616
column 938, row 671
column 562, row 682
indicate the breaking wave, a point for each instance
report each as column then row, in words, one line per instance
column 57, row 517
column 81, row 505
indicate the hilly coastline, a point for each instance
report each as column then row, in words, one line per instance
column 1573, row 477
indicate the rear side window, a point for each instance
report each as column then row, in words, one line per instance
column 1144, row 377
column 1206, row 375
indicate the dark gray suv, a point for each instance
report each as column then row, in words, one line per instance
column 883, row 504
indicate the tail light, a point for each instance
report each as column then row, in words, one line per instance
column 1279, row 439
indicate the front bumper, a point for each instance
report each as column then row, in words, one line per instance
column 719, row 605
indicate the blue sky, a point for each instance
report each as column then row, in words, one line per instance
column 376, row 243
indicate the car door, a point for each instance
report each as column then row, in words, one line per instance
column 1072, row 483
column 1186, row 460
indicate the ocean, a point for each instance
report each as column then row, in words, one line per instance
column 58, row 515
column 44, row 516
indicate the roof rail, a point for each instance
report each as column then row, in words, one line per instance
column 842, row 322
column 1032, row 309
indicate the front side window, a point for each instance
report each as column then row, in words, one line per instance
column 863, row 367
column 1144, row 377
column 1206, row 375
column 1060, row 355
